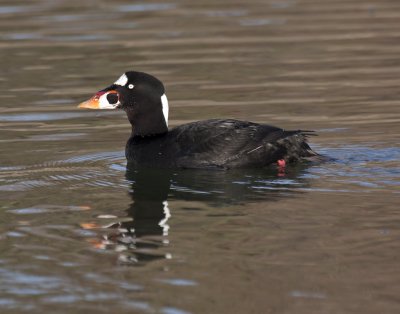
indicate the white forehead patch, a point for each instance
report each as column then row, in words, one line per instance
column 165, row 107
column 122, row 80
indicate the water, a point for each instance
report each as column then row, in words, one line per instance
column 79, row 232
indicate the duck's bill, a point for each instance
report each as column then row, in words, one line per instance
column 92, row 103
column 102, row 100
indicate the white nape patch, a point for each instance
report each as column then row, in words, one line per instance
column 165, row 107
column 122, row 80
column 104, row 104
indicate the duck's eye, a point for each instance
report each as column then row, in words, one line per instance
column 112, row 98
column 130, row 86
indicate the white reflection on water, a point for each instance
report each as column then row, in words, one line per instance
column 22, row 36
column 163, row 223
column 25, row 117
column 14, row 9
column 145, row 7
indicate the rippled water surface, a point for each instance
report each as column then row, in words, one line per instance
column 81, row 233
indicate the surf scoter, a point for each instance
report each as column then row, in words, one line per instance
column 215, row 143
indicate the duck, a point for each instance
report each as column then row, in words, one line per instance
column 207, row 144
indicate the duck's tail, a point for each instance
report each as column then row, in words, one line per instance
column 297, row 147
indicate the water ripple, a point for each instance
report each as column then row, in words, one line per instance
column 367, row 167
column 14, row 9
column 145, row 7
column 84, row 169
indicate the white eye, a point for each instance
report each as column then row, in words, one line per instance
column 130, row 86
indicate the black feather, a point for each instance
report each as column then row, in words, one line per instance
column 220, row 144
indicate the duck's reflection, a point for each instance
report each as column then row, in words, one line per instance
column 143, row 235
column 140, row 238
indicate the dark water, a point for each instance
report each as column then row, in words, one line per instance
column 79, row 233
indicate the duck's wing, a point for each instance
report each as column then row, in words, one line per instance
column 232, row 143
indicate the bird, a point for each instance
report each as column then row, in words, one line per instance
column 207, row 144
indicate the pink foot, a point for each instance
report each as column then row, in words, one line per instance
column 281, row 167
column 281, row 163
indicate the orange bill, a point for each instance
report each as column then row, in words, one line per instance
column 92, row 103
column 99, row 101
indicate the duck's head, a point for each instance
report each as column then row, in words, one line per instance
column 141, row 96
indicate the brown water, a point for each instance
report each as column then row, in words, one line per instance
column 79, row 233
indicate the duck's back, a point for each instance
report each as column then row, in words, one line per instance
column 219, row 144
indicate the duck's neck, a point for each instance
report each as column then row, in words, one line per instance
column 147, row 124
